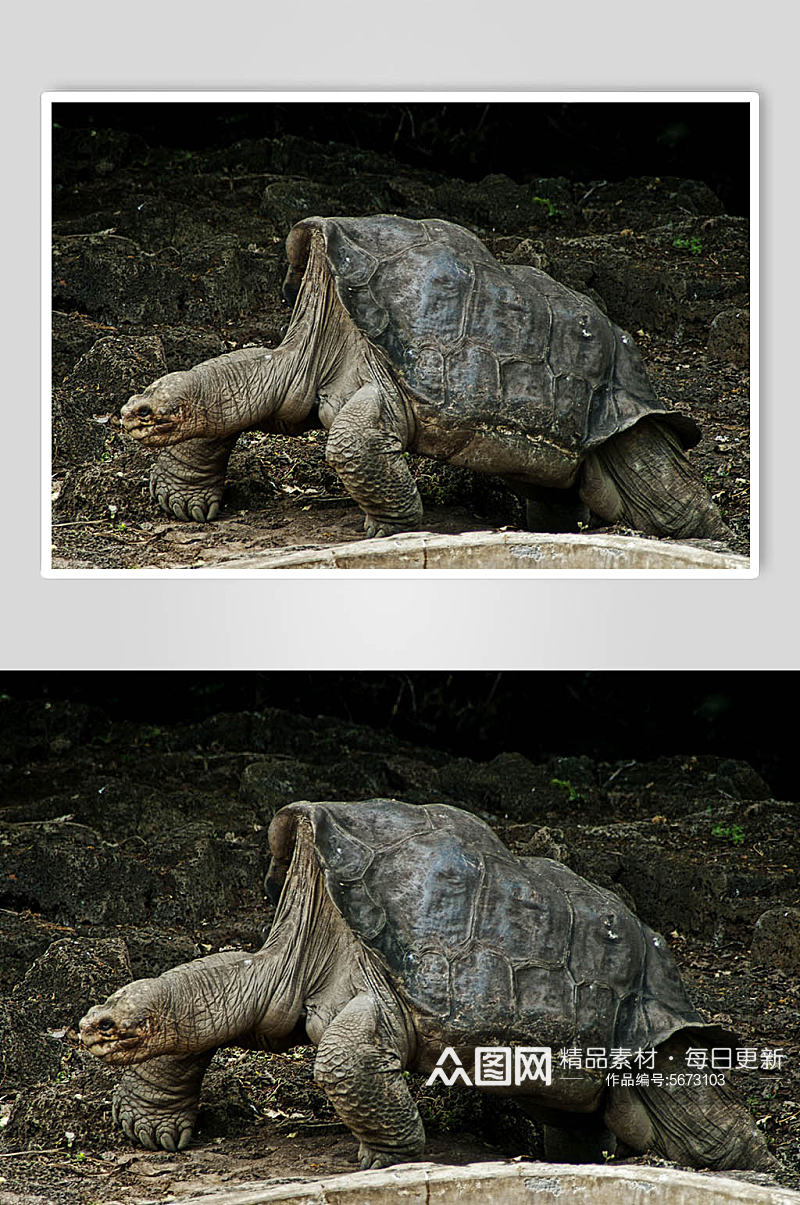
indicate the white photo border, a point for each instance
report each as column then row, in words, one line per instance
column 48, row 99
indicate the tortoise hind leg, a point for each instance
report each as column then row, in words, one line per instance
column 571, row 1137
column 551, row 510
column 362, row 1076
column 696, row 1125
column 365, row 446
column 642, row 478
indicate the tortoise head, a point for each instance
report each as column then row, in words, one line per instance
column 130, row 1026
column 166, row 412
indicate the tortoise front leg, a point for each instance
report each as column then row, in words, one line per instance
column 363, row 1078
column 187, row 479
column 365, row 447
column 156, row 1102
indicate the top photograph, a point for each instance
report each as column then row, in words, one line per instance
column 466, row 334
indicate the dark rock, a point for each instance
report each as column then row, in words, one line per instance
column 729, row 337
column 50, row 1000
column 92, row 154
column 153, row 950
column 72, row 1113
column 635, row 295
column 671, row 893
column 73, row 335
column 23, row 938
column 510, row 785
column 66, row 873
column 115, row 367
column 109, row 278
column 776, row 939
column 184, row 347
column 206, row 877
column 102, row 380
column 548, row 843
column 77, row 435
column 645, row 201
column 111, row 489
column 38, row 730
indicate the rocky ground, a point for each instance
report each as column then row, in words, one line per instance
column 126, row 848
column 163, row 258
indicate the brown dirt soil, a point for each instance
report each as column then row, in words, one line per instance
column 126, row 848
column 163, row 258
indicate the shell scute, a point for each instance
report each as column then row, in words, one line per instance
column 547, row 990
column 515, row 917
column 427, row 289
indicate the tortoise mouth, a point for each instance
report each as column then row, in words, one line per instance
column 152, row 428
column 112, row 1043
column 153, row 419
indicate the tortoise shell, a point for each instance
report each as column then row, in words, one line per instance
column 480, row 941
column 479, row 342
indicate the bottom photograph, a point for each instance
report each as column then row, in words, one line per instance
column 344, row 937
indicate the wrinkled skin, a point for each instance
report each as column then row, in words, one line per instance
column 329, row 373
column 315, row 980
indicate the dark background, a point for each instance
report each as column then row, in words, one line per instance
column 604, row 715
column 584, row 141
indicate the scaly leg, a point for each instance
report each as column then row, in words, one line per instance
column 699, row 1125
column 642, row 477
column 365, row 448
column 362, row 1075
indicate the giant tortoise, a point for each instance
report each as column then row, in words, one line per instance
column 405, row 933
column 410, row 336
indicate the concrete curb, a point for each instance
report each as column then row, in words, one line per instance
column 493, row 550
column 509, row 1184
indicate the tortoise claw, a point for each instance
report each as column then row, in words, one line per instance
column 185, row 500
column 370, row 1159
column 375, row 528
column 150, row 1123
column 145, row 1136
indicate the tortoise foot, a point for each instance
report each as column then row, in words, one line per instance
column 375, row 528
column 187, row 480
column 151, row 1122
column 201, row 503
column 370, row 1159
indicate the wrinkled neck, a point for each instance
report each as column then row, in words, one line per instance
column 321, row 339
column 213, row 1001
column 299, row 940
column 239, row 390
column 232, row 996
column 276, row 389
column 310, row 943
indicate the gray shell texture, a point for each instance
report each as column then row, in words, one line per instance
column 482, row 342
column 480, row 940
